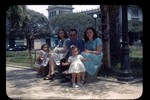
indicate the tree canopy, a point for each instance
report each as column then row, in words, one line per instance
column 36, row 24
column 21, row 21
column 78, row 21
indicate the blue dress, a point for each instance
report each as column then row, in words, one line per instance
column 94, row 59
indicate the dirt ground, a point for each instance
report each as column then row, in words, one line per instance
column 21, row 83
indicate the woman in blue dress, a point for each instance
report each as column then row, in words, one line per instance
column 93, row 51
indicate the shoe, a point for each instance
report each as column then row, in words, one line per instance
column 75, row 85
column 47, row 78
column 52, row 75
column 81, row 85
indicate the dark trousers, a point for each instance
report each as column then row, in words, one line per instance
column 65, row 77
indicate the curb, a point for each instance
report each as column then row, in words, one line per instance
column 116, row 81
column 22, row 67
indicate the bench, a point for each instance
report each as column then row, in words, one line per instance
column 92, row 78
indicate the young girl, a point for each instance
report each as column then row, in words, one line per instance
column 76, row 66
column 42, row 60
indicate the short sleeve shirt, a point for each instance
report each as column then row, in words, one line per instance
column 92, row 44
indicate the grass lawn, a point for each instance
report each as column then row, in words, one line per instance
column 19, row 58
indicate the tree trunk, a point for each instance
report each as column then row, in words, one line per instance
column 12, row 39
column 115, row 33
column 105, row 37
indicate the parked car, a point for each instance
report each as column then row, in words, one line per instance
column 11, row 49
column 21, row 47
column 17, row 48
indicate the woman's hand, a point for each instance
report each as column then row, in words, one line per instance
column 55, row 50
column 87, row 51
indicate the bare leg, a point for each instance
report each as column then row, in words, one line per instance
column 49, row 71
column 78, row 77
column 73, row 78
column 83, row 75
column 52, row 64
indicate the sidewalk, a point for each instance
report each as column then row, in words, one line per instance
column 21, row 83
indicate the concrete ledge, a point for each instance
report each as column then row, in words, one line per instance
column 123, row 82
column 18, row 66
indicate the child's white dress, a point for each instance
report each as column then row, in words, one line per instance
column 45, row 61
column 76, row 65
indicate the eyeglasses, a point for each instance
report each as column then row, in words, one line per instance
column 73, row 35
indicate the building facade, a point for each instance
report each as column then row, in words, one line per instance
column 54, row 10
column 134, row 12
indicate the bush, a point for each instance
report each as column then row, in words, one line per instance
column 136, row 62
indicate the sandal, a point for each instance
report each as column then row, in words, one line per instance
column 47, row 78
column 52, row 77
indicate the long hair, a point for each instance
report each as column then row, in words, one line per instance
column 94, row 36
column 65, row 34
column 45, row 45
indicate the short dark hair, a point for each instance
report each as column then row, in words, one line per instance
column 72, row 30
column 65, row 34
column 94, row 36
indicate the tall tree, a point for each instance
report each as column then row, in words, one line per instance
column 14, row 19
column 115, row 33
column 35, row 24
column 105, row 37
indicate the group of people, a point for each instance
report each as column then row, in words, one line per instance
column 81, row 55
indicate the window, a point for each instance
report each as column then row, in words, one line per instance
column 135, row 19
column 134, row 11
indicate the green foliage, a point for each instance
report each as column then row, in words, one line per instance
column 18, row 57
column 36, row 23
column 25, row 22
column 78, row 21
column 136, row 56
column 15, row 14
column 135, row 26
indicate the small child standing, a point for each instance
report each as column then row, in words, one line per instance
column 42, row 60
column 76, row 66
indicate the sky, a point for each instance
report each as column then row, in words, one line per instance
column 77, row 8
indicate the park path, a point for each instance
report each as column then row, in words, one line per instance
column 21, row 83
